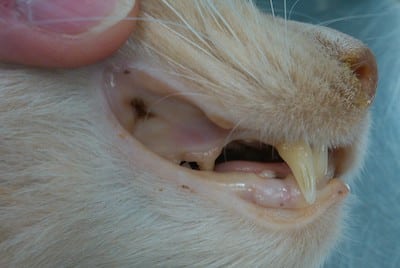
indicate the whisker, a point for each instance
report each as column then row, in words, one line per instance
column 286, row 25
column 44, row 22
column 226, row 24
column 237, row 62
column 291, row 11
column 172, row 95
column 231, row 132
column 189, row 27
column 395, row 33
column 186, row 40
column 199, row 79
column 272, row 7
column 284, row 10
column 169, row 59
column 356, row 17
column 253, row 37
column 309, row 18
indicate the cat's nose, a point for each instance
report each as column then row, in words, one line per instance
column 354, row 54
column 362, row 62
column 357, row 56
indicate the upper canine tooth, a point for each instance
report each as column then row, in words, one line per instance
column 320, row 155
column 301, row 159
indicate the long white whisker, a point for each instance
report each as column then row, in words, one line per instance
column 172, row 95
column 195, row 77
column 272, row 7
column 257, row 45
column 292, row 9
column 226, row 24
column 284, row 10
column 169, row 59
column 355, row 17
column 199, row 37
column 391, row 34
column 89, row 19
column 228, row 137
column 187, row 40
column 286, row 25
column 237, row 62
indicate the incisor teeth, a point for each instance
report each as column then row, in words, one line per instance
column 307, row 165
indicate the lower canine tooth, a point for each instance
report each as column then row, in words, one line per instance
column 300, row 159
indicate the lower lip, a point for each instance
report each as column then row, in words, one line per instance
column 280, row 204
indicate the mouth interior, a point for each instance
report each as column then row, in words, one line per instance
column 249, row 151
column 245, row 156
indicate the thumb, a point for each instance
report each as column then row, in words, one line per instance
column 63, row 33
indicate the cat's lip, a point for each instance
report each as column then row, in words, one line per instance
column 237, row 191
column 245, row 192
column 272, row 203
column 239, row 195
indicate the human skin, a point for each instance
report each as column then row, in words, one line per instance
column 39, row 42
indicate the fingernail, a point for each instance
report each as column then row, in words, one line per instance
column 73, row 17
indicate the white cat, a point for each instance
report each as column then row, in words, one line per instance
column 125, row 163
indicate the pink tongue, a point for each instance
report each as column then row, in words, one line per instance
column 271, row 170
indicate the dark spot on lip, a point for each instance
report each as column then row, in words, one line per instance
column 127, row 72
column 140, row 109
column 185, row 187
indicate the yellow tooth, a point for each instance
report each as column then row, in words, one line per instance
column 206, row 165
column 320, row 156
column 300, row 159
column 205, row 160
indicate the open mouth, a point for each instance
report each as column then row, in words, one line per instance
column 293, row 171
column 268, row 176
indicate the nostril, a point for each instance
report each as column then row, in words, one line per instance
column 364, row 67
